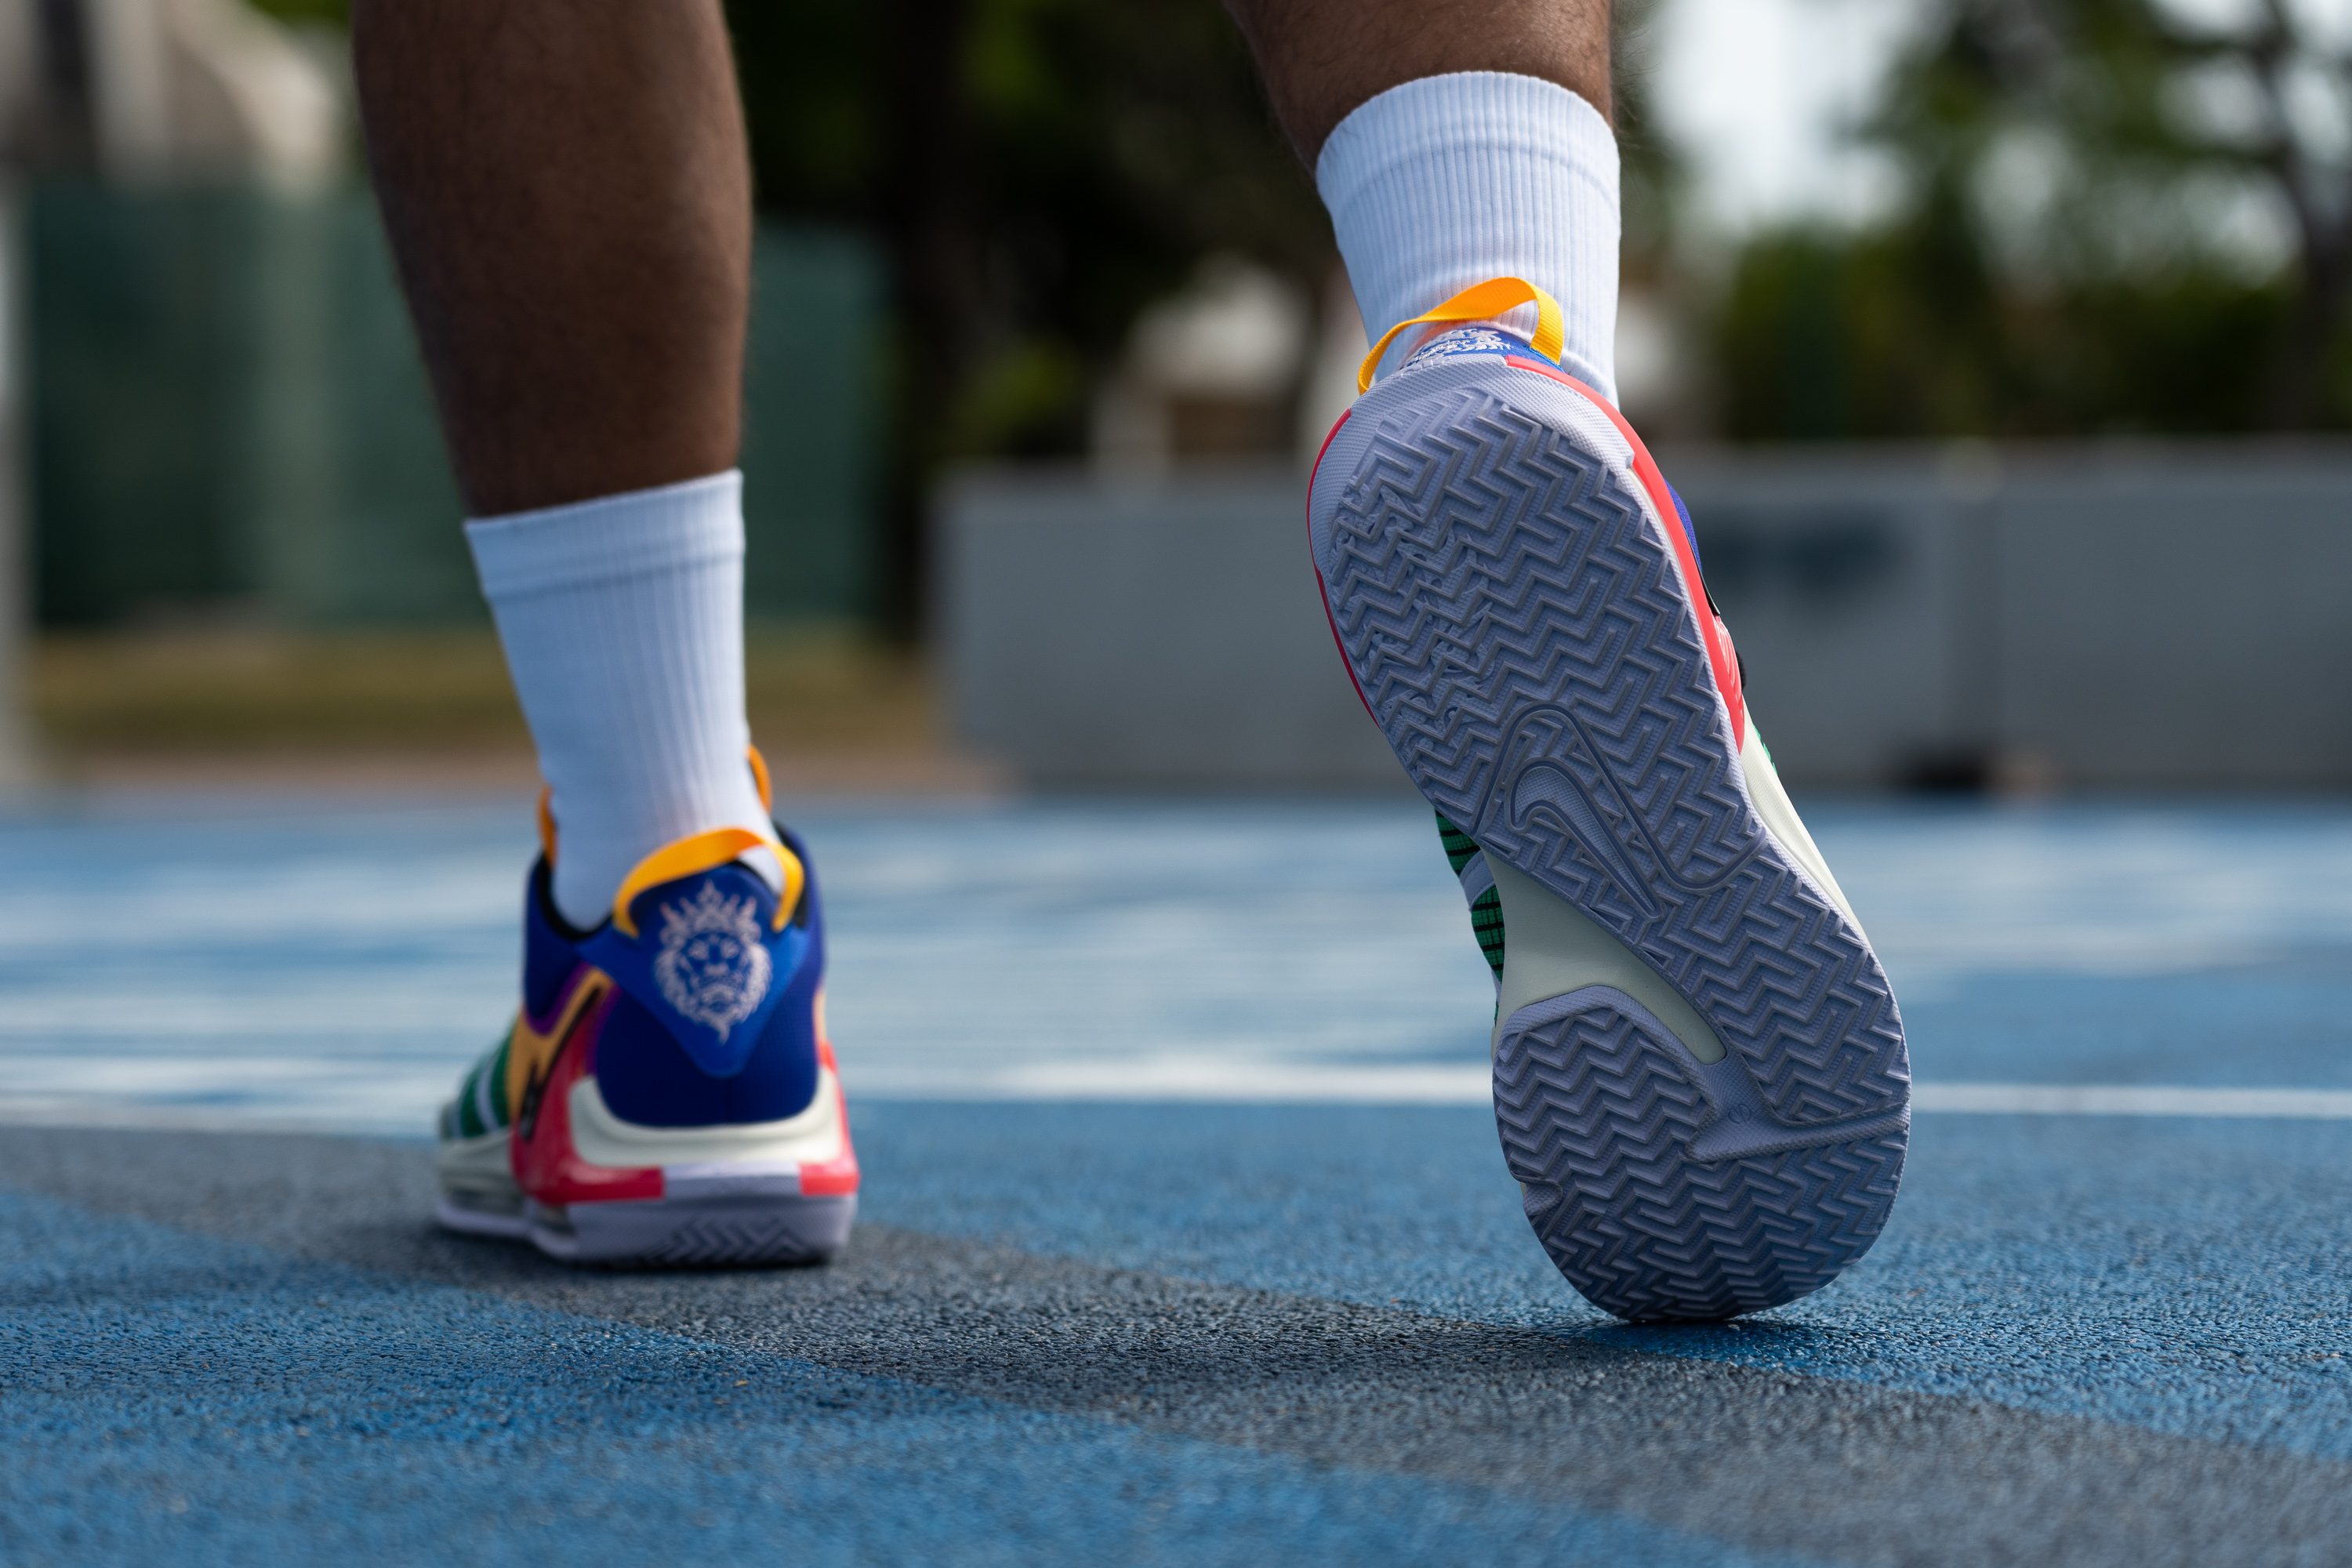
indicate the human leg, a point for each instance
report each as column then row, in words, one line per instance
column 1700, row 1076
column 1456, row 142
column 567, row 192
column 1322, row 58
column 569, row 195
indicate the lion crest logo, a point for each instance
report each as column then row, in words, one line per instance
column 713, row 967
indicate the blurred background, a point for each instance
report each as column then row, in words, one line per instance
column 2001, row 347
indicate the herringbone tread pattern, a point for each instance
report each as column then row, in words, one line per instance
column 1597, row 1117
column 1518, row 630
column 708, row 1242
column 689, row 1234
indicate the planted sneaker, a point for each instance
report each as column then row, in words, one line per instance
column 668, row 1095
column 1700, row 1077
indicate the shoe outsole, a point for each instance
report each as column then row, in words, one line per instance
column 671, row 1233
column 1653, row 1203
column 1517, row 627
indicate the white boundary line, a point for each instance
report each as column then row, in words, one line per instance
column 2133, row 1099
column 1199, row 1080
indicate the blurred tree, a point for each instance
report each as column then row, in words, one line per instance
column 1041, row 168
column 1654, row 176
column 2115, row 217
column 1037, row 172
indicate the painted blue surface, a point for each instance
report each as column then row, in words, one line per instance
column 2186, row 1275
column 171, row 1399
column 344, row 968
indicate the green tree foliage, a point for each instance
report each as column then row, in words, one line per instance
column 2090, row 239
column 1037, row 172
column 1040, row 170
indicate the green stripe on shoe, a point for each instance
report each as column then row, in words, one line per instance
column 1487, row 910
column 1486, row 925
column 1459, row 847
column 481, row 1103
column 501, row 1111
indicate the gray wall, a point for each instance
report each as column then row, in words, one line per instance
column 1140, row 633
column 2102, row 616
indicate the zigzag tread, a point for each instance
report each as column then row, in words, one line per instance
column 1483, row 566
column 1596, row 1119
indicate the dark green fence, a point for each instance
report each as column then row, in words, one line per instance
column 229, row 419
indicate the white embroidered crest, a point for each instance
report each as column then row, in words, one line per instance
column 1463, row 341
column 713, row 967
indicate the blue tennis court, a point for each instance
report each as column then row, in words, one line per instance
column 1185, row 1235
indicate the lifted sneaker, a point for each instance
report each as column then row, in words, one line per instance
column 668, row 1095
column 1700, row 1077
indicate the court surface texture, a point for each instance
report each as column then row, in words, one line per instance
column 1185, row 1235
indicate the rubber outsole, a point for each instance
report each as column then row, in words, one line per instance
column 1514, row 618
column 742, row 1231
column 1656, row 1191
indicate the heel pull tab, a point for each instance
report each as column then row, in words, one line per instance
column 1479, row 303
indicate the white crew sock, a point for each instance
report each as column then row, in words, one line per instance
column 1451, row 180
column 623, row 622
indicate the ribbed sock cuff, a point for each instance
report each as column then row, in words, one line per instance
column 669, row 528
column 1450, row 180
column 623, row 622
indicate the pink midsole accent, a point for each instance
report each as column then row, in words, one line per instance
column 1321, row 590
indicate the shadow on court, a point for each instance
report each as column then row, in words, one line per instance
column 1644, row 1424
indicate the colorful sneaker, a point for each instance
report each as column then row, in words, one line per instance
column 1700, row 1077
column 668, row 1095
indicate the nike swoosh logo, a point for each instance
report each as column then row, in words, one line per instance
column 1541, row 787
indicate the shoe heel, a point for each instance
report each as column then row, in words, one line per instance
column 1661, row 1187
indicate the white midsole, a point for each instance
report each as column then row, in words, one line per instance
column 812, row 1137
column 476, row 1174
column 1780, row 819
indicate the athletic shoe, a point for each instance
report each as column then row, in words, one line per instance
column 1700, row 1077
column 668, row 1095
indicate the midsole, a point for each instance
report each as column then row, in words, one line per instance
column 1552, row 948
column 812, row 1137
column 756, row 1160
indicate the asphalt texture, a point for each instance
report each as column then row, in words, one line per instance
column 1187, row 1331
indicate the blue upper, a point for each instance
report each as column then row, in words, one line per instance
column 715, row 1019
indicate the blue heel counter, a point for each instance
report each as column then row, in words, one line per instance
column 658, row 1067
column 646, row 1078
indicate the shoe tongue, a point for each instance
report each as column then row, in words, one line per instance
column 1478, row 338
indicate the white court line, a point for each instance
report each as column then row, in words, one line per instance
column 1215, row 1079
column 2133, row 1099
column 402, row 1098
column 1236, row 1079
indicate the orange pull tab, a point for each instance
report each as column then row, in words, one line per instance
column 704, row 852
column 1479, row 303
column 760, row 777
